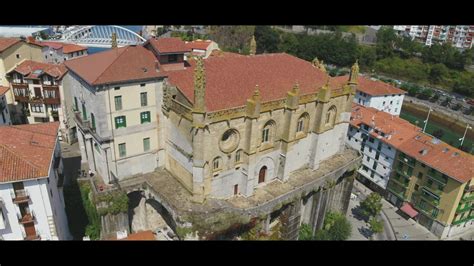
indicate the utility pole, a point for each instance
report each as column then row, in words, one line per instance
column 426, row 121
column 465, row 132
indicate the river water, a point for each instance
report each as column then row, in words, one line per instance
column 135, row 28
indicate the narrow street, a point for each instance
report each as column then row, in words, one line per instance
column 396, row 227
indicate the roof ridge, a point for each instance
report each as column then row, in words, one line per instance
column 123, row 51
column 36, row 132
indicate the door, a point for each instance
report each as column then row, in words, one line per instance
column 37, row 92
column 261, row 174
column 236, row 189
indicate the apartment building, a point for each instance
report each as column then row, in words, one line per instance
column 57, row 53
column 202, row 48
column 460, row 36
column 377, row 94
column 426, row 178
column 31, row 176
column 4, row 113
column 39, row 95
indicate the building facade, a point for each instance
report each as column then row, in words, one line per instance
column 57, row 53
column 12, row 52
column 31, row 198
column 220, row 127
column 202, row 48
column 459, row 36
column 39, row 95
column 4, row 113
column 426, row 178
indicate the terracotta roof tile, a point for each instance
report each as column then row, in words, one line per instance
column 28, row 68
column 198, row 44
column 143, row 235
column 5, row 43
column 71, row 48
column 231, row 80
column 115, row 65
column 26, row 151
column 3, row 90
column 372, row 87
column 409, row 139
column 169, row 45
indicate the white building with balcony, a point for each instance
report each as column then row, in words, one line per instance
column 31, row 198
column 376, row 135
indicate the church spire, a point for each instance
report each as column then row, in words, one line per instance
column 199, row 86
column 354, row 73
column 253, row 46
column 114, row 40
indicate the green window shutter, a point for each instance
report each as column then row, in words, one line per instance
column 84, row 112
column 122, row 150
column 75, row 104
column 145, row 117
column 146, row 144
column 120, row 121
column 143, row 99
column 118, row 103
column 93, row 120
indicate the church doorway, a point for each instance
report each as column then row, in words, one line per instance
column 262, row 174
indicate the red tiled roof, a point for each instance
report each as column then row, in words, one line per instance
column 26, row 151
column 220, row 53
column 54, row 45
column 71, row 48
column 3, row 90
column 231, row 80
column 199, row 44
column 28, row 68
column 169, row 45
column 5, row 43
column 372, row 87
column 116, row 65
column 409, row 139
column 143, row 235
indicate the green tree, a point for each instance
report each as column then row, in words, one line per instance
column 267, row 39
column 425, row 94
column 376, row 226
column 372, row 205
column 465, row 84
column 438, row 73
column 232, row 38
column 367, row 56
column 386, row 40
column 305, row 233
column 288, row 43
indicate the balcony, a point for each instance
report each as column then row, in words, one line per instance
column 467, row 198
column 36, row 236
column 20, row 196
column 401, row 180
column 437, row 178
column 84, row 124
column 466, row 208
column 430, row 200
column 53, row 100
column 22, row 98
column 27, row 218
column 426, row 210
column 435, row 191
column 400, row 194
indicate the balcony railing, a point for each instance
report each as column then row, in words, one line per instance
column 20, row 196
column 466, row 208
column 437, row 178
column 435, row 191
column 27, row 218
column 431, row 200
column 400, row 194
column 401, row 181
column 84, row 124
column 468, row 218
column 426, row 210
column 467, row 198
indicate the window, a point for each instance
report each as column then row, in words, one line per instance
column 122, row 150
column 417, row 187
column 374, row 166
column 371, row 139
column 215, row 163
column 145, row 117
column 430, row 182
column 370, row 149
column 120, row 121
column 97, row 147
column 267, row 131
column 146, row 144
column 367, row 157
column 143, row 98
column 75, row 104
column 420, row 175
column 51, row 192
column 117, row 88
column 142, row 85
column 300, row 125
column 172, row 58
column 331, row 115
column 93, row 120
column 17, row 56
column 237, row 156
column 118, row 103
column 37, row 108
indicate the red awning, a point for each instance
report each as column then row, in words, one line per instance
column 408, row 209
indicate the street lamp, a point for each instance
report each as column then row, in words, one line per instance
column 465, row 131
column 426, row 121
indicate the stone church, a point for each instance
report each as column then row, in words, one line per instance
column 257, row 137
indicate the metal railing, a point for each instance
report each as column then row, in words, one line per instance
column 21, row 195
